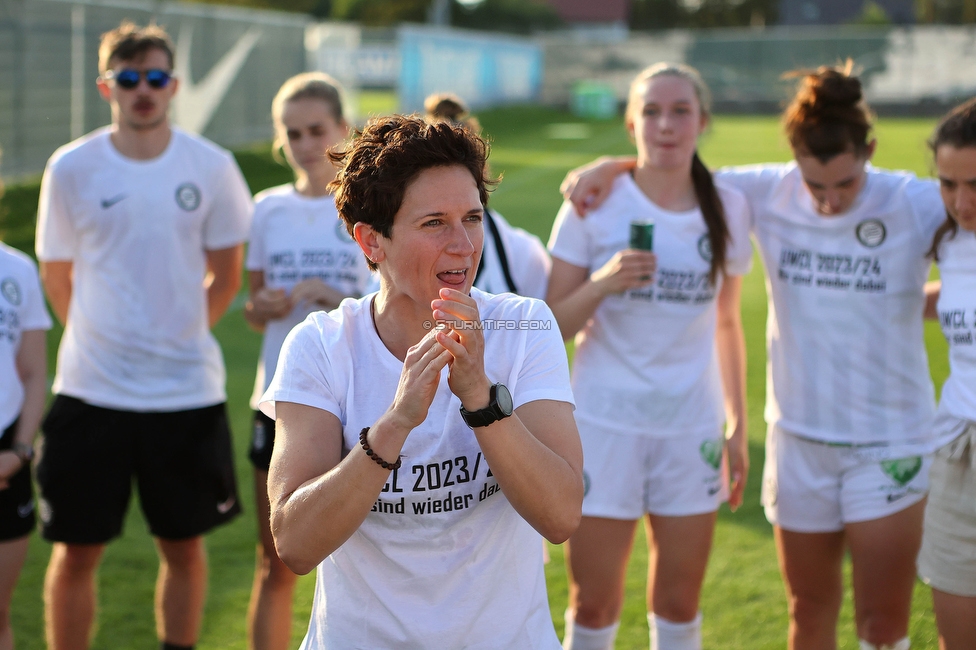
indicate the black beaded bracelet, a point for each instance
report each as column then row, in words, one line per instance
column 372, row 454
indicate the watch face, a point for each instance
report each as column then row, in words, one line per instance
column 504, row 399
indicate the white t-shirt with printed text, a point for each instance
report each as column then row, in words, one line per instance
column 22, row 310
column 847, row 361
column 646, row 363
column 294, row 238
column 137, row 232
column 957, row 316
column 443, row 560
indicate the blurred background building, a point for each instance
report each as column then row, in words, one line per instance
column 914, row 55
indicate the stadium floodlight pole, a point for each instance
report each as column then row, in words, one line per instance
column 439, row 13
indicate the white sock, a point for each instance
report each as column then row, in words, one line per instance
column 668, row 635
column 578, row 637
column 904, row 644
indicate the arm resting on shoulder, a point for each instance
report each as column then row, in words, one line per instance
column 587, row 187
column 730, row 342
column 537, row 459
column 224, row 268
column 57, row 278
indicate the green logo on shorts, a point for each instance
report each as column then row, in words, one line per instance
column 711, row 452
column 586, row 483
column 902, row 470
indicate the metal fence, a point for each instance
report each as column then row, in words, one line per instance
column 230, row 61
column 912, row 69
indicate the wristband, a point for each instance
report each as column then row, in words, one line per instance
column 372, row 454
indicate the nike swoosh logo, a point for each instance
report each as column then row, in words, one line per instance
column 894, row 497
column 224, row 508
column 195, row 103
column 25, row 509
column 713, row 490
column 108, row 203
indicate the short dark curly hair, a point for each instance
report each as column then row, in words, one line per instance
column 388, row 154
column 130, row 42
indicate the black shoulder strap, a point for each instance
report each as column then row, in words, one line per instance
column 500, row 249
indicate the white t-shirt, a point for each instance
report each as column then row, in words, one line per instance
column 21, row 310
column 847, row 361
column 957, row 315
column 528, row 261
column 444, row 560
column 646, row 363
column 294, row 238
column 136, row 232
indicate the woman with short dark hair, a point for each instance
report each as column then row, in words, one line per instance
column 425, row 432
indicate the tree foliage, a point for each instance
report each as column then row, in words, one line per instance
column 953, row 12
column 670, row 14
column 517, row 16
column 380, row 13
column 318, row 8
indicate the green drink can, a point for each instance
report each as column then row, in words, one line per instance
column 642, row 234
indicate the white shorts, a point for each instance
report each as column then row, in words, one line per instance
column 947, row 560
column 816, row 487
column 626, row 476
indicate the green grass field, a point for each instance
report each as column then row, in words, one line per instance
column 743, row 599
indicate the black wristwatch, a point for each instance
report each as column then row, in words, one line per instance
column 499, row 407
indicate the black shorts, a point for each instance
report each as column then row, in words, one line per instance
column 17, row 501
column 181, row 460
column 262, row 441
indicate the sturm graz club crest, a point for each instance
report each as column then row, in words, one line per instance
column 871, row 233
column 902, row 470
column 711, row 452
column 11, row 291
column 705, row 247
column 342, row 233
column 188, row 196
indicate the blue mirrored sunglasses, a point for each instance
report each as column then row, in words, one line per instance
column 128, row 78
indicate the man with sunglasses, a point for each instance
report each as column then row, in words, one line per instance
column 139, row 237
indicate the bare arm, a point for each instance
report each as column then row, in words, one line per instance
column 318, row 293
column 537, row 459
column 32, row 370
column 224, row 268
column 57, row 278
column 535, row 455
column 308, row 483
column 731, row 346
column 588, row 186
column 932, row 290
column 574, row 294
column 264, row 304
